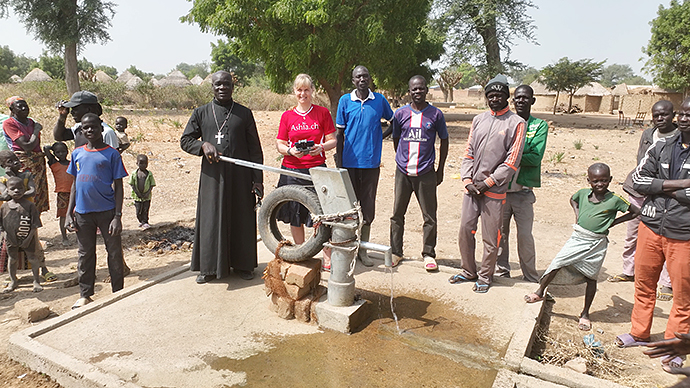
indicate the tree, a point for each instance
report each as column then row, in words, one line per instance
column 64, row 26
column 110, row 70
column 469, row 75
column 669, row 48
column 479, row 30
column 636, row 80
column 614, row 74
column 144, row 76
column 525, row 76
column 53, row 65
column 567, row 76
column 11, row 64
column 200, row 69
column 447, row 79
column 325, row 38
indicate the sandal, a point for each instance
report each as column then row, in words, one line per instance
column 395, row 260
column 430, row 264
column 628, row 341
column 668, row 363
column 621, row 278
column 459, row 278
column 480, row 288
column 49, row 277
column 664, row 294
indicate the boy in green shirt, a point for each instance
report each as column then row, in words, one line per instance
column 583, row 254
column 142, row 183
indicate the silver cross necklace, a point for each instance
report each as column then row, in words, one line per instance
column 219, row 136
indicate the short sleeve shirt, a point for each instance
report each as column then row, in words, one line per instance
column 361, row 121
column 109, row 136
column 149, row 182
column 313, row 125
column 94, row 172
column 598, row 217
column 13, row 130
column 19, row 220
column 417, row 132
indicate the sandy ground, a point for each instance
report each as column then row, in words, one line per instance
column 174, row 201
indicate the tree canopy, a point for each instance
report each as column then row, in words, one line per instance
column 482, row 31
column 326, row 38
column 568, row 76
column 201, row 69
column 614, row 74
column 669, row 47
column 224, row 57
column 525, row 75
column 64, row 26
column 11, row 64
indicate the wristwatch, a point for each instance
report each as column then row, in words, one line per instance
column 118, row 214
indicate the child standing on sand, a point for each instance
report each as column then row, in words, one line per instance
column 58, row 162
column 13, row 168
column 123, row 140
column 19, row 220
column 142, row 183
column 583, row 254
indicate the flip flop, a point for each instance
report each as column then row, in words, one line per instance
column 620, row 278
column 480, row 288
column 664, row 294
column 628, row 341
column 668, row 363
column 430, row 264
column 533, row 298
column 49, row 277
column 584, row 324
column 460, row 278
column 395, row 260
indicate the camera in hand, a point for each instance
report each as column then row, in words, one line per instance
column 304, row 145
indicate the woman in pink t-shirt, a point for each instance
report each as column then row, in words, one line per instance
column 305, row 122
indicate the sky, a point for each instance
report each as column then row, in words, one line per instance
column 149, row 35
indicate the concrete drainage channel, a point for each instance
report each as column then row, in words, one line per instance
column 44, row 348
column 524, row 372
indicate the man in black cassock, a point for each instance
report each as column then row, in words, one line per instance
column 225, row 231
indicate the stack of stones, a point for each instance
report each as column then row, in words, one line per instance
column 293, row 287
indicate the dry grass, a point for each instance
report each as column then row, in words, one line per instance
column 559, row 349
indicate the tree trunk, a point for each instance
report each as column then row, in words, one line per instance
column 487, row 29
column 334, row 92
column 555, row 103
column 71, row 72
column 444, row 90
column 450, row 93
column 570, row 102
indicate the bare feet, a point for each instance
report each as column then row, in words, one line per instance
column 533, row 298
column 66, row 242
column 37, row 287
column 584, row 324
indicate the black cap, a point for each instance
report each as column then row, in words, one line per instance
column 81, row 97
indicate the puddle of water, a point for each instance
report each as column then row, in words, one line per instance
column 439, row 347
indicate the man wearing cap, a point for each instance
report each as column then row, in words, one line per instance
column 81, row 103
column 494, row 149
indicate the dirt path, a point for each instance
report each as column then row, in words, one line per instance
column 174, row 201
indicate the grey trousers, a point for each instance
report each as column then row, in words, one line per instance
column 491, row 212
column 424, row 188
column 519, row 205
column 86, row 238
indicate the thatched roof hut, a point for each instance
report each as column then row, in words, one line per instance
column 15, row 79
column 124, row 77
column 133, row 82
column 196, row 80
column 207, row 80
column 101, row 76
column 175, row 78
column 37, row 75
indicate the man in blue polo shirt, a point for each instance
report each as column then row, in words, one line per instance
column 360, row 139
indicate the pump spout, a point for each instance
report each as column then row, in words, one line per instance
column 385, row 249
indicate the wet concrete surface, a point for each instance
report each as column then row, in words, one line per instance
column 176, row 333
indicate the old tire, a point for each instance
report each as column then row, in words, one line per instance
column 268, row 223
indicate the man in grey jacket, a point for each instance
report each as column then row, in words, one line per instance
column 494, row 149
